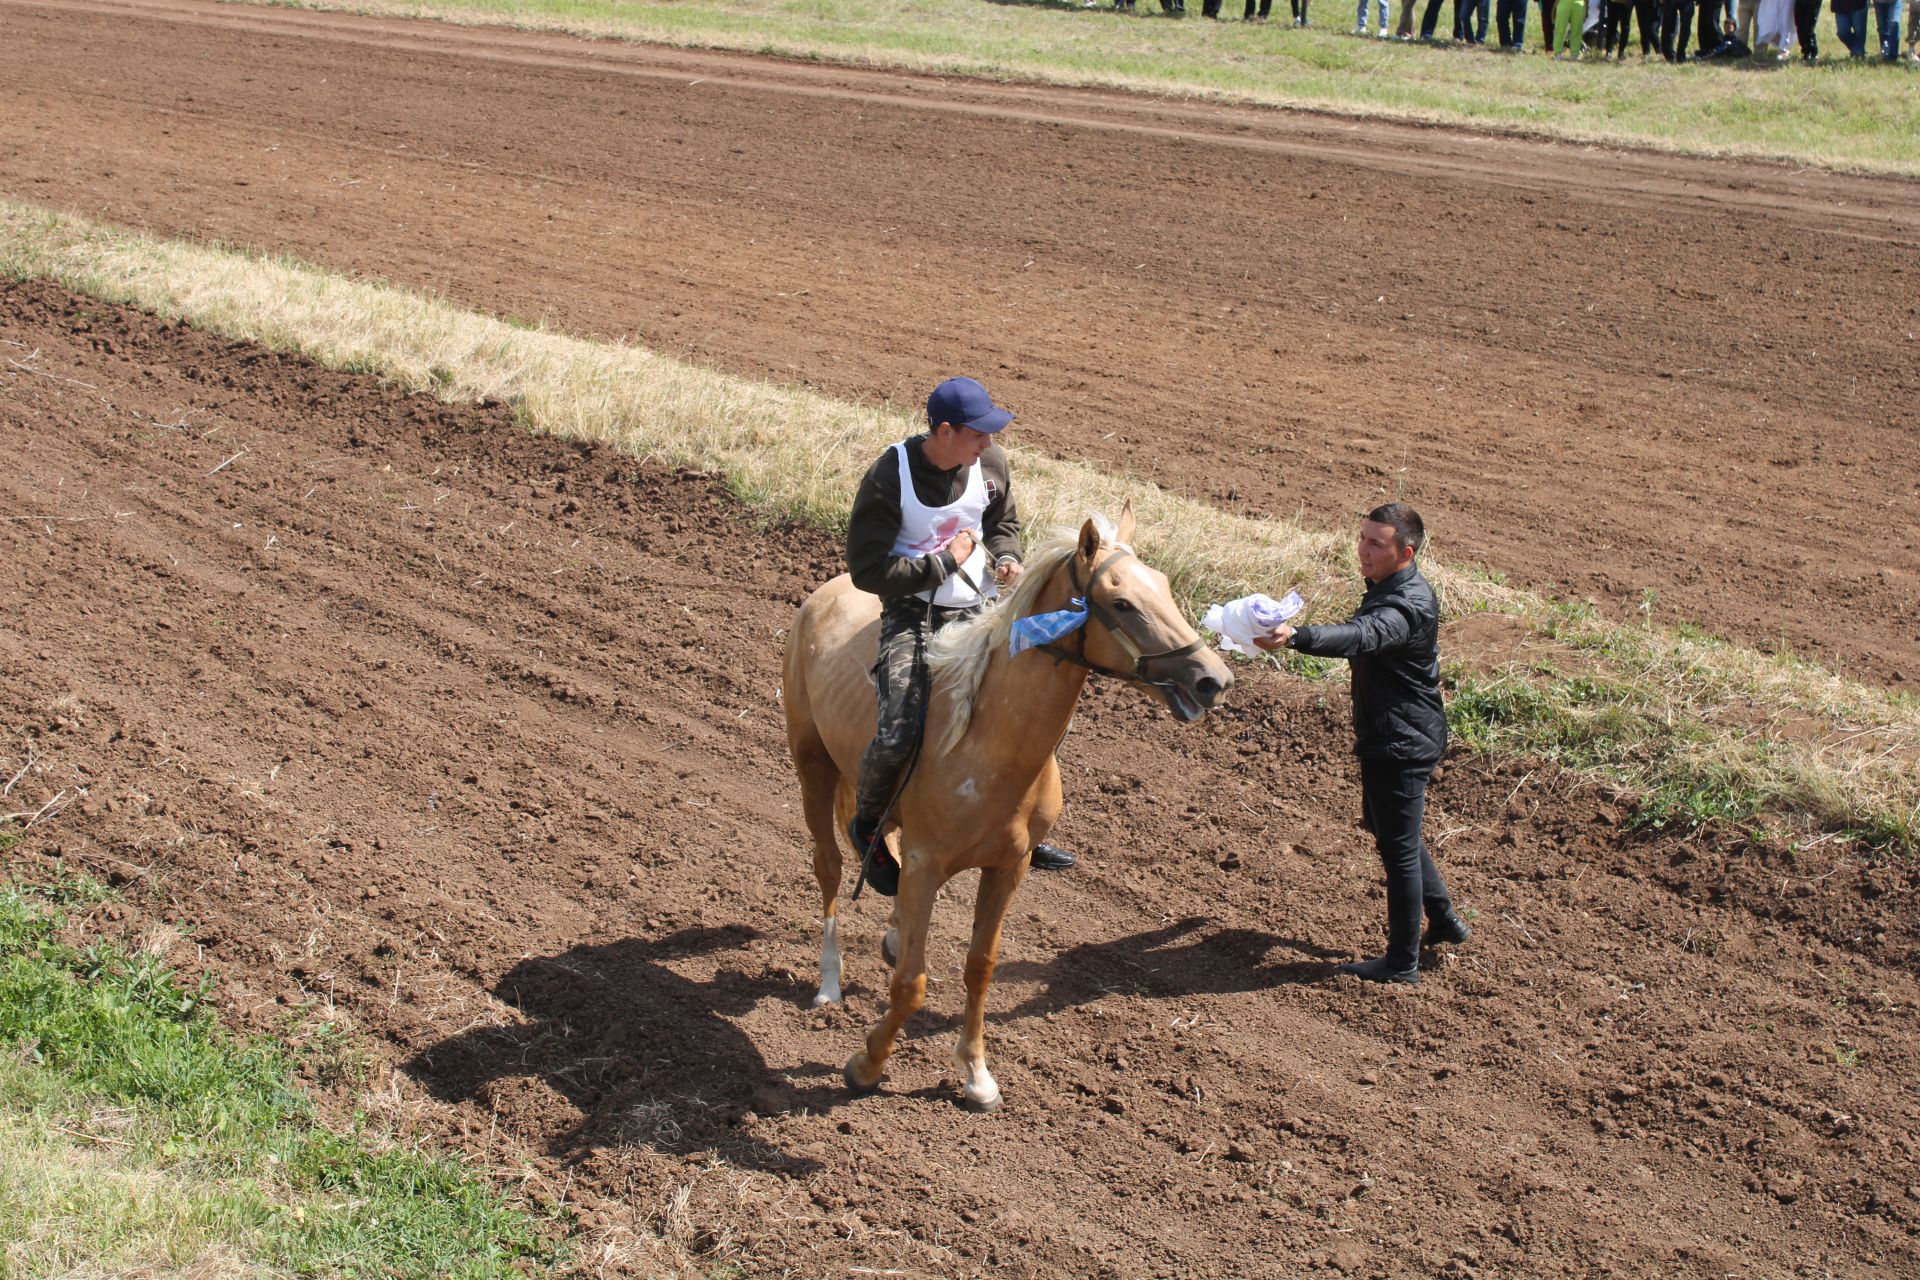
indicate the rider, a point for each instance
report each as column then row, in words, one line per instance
column 915, row 539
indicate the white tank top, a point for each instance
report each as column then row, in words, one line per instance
column 924, row 530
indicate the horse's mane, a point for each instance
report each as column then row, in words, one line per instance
column 957, row 655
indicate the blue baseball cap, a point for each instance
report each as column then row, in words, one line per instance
column 965, row 403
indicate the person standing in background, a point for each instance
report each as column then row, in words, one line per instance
column 1850, row 24
column 1806, row 15
column 1886, row 19
column 1676, row 25
column 1569, row 23
column 1510, row 23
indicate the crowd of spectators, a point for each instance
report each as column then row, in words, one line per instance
column 1676, row 30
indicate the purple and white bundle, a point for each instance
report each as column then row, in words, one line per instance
column 1237, row 622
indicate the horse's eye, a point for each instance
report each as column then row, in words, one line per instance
column 1122, row 605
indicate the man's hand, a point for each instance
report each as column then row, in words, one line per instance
column 1008, row 572
column 1274, row 639
column 961, row 546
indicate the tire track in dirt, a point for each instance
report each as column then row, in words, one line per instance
column 1622, row 376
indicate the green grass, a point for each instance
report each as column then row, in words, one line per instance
column 138, row 1136
column 1863, row 116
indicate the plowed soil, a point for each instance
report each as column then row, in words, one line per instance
column 473, row 738
column 1648, row 380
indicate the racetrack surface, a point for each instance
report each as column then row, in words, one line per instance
column 472, row 738
column 1669, row 384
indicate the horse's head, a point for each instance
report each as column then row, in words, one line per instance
column 1135, row 628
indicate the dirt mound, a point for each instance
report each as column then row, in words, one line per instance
column 1652, row 381
column 473, row 737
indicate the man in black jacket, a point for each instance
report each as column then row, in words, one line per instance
column 933, row 517
column 1399, row 726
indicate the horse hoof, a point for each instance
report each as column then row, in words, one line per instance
column 981, row 1104
column 824, row 999
column 890, row 948
column 851, row 1075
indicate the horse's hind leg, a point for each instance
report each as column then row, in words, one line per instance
column 819, row 783
column 997, row 884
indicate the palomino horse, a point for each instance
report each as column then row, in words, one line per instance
column 986, row 788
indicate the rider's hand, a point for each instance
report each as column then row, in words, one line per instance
column 961, row 546
column 1008, row 572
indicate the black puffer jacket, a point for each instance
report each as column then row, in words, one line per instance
column 1393, row 643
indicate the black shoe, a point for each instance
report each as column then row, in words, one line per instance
column 1051, row 857
column 1449, row 928
column 1378, row 970
column 883, row 873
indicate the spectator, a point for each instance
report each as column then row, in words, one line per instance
column 1850, row 24
column 1300, row 11
column 1360, row 19
column 1676, row 26
column 1546, row 23
column 1260, row 8
column 1616, row 25
column 1404, row 28
column 1431, row 19
column 1708, row 39
column 1806, row 13
column 1510, row 21
column 1464, row 13
column 1569, row 22
column 1886, row 18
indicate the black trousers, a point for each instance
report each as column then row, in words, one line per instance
column 1647, row 14
column 1676, row 24
column 1431, row 19
column 1394, row 800
column 1259, row 10
column 1806, row 16
column 1299, row 10
column 1509, row 20
column 1708, row 36
column 1616, row 26
column 1546, row 22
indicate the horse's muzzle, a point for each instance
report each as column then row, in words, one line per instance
column 1189, row 684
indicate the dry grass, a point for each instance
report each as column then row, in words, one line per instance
column 1782, row 732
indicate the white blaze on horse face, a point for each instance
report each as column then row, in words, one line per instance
column 829, row 962
column 967, row 790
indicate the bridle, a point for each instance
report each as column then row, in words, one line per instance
column 1115, row 628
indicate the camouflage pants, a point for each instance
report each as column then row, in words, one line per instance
column 899, row 678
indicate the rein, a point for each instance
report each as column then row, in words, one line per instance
column 1115, row 629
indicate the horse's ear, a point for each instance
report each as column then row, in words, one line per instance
column 1123, row 531
column 1089, row 540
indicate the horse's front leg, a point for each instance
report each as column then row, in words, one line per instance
column 997, row 885
column 913, row 909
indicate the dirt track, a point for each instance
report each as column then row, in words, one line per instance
column 475, row 736
column 1610, row 373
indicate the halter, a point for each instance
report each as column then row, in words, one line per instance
column 1115, row 628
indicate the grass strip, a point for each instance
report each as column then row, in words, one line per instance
column 138, row 1137
column 1680, row 708
column 1862, row 116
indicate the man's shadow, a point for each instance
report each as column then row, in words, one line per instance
column 1181, row 959
column 644, row 1055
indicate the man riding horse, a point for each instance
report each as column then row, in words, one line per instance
column 930, row 516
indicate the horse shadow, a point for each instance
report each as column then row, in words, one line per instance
column 644, row 1055
column 1185, row 958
